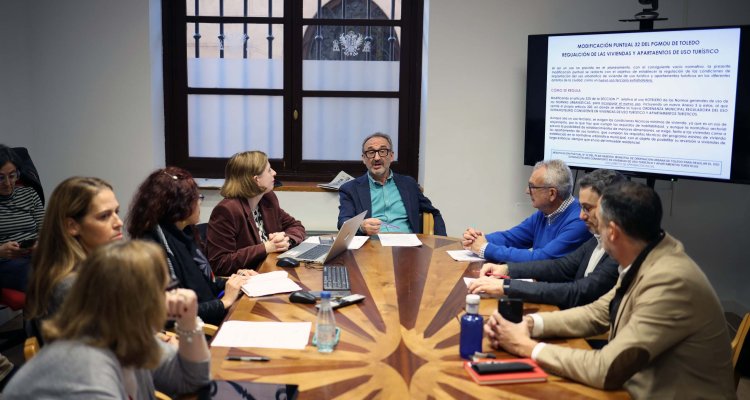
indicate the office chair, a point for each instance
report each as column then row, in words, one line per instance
column 741, row 351
column 428, row 224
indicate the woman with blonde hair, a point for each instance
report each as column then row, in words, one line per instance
column 106, row 348
column 165, row 209
column 81, row 215
column 249, row 223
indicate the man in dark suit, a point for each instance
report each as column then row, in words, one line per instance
column 668, row 338
column 393, row 201
column 573, row 280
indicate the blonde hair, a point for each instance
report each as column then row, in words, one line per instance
column 131, row 276
column 58, row 252
column 240, row 173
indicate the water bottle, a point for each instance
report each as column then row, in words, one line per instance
column 325, row 327
column 471, row 328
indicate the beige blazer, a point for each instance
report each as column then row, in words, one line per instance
column 669, row 339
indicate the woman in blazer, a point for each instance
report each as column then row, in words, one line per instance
column 249, row 223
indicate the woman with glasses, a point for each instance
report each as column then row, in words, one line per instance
column 82, row 214
column 21, row 213
column 165, row 209
column 104, row 347
column 249, row 223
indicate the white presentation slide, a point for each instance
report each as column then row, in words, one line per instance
column 655, row 102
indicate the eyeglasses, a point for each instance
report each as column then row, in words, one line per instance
column 587, row 209
column 381, row 153
column 532, row 187
column 201, row 198
column 11, row 177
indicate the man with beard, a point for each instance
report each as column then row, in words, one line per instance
column 393, row 201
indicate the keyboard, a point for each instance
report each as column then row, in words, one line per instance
column 335, row 277
column 314, row 253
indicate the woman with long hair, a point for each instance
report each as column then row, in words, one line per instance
column 165, row 209
column 249, row 223
column 105, row 347
column 82, row 214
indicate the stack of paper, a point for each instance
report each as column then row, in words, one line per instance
column 399, row 240
column 336, row 183
column 270, row 335
column 269, row 283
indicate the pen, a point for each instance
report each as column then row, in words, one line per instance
column 390, row 225
column 247, row 358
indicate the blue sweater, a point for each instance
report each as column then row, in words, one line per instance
column 533, row 239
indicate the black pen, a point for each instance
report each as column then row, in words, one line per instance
column 247, row 358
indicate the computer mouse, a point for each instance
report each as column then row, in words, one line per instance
column 302, row 297
column 287, row 262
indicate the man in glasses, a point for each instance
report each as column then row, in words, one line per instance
column 552, row 232
column 668, row 338
column 393, row 201
column 574, row 280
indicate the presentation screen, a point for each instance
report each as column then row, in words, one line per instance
column 667, row 103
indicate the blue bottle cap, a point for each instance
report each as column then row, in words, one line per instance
column 325, row 295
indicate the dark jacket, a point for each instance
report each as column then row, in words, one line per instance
column 182, row 257
column 561, row 281
column 354, row 197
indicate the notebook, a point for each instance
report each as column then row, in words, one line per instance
column 322, row 253
column 536, row 375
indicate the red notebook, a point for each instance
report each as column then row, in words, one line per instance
column 535, row 375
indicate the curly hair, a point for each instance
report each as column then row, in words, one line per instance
column 168, row 195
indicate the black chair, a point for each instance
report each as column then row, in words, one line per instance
column 29, row 174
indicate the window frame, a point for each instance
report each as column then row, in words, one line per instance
column 291, row 167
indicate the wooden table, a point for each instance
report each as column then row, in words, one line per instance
column 400, row 343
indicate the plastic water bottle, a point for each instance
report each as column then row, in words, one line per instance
column 471, row 328
column 325, row 327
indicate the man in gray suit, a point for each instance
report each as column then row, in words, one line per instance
column 570, row 281
column 668, row 337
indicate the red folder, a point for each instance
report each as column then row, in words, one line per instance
column 537, row 375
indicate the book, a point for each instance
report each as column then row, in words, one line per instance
column 535, row 375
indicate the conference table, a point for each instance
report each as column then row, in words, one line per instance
column 401, row 342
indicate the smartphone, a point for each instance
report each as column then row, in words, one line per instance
column 511, row 309
column 26, row 244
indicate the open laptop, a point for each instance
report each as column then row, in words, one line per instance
column 322, row 253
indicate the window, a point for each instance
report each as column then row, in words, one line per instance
column 303, row 81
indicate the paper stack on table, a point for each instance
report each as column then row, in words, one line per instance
column 269, row 335
column 269, row 283
column 399, row 240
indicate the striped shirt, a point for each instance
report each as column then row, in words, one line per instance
column 21, row 215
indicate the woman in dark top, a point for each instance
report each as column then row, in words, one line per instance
column 165, row 210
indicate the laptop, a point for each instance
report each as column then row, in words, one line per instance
column 322, row 253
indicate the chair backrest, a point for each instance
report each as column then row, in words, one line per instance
column 428, row 224
column 30, row 348
column 741, row 350
column 29, row 174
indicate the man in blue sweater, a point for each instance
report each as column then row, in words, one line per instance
column 577, row 279
column 552, row 232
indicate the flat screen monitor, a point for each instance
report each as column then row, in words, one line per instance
column 663, row 103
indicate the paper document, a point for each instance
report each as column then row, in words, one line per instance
column 399, row 240
column 268, row 335
column 356, row 243
column 336, row 183
column 269, row 283
column 464, row 255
